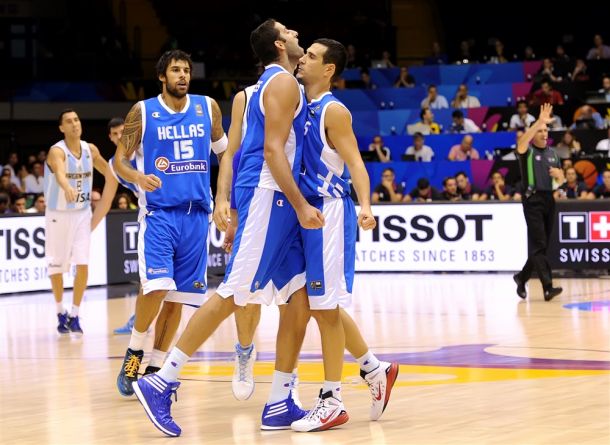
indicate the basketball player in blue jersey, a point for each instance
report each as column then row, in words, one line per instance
column 171, row 137
column 270, row 208
column 330, row 154
column 68, row 180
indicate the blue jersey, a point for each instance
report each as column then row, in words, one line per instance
column 253, row 170
column 128, row 185
column 176, row 148
column 79, row 173
column 325, row 173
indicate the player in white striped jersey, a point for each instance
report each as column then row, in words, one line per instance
column 68, row 184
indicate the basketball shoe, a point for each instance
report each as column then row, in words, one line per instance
column 151, row 370
column 74, row 325
column 155, row 395
column 380, row 381
column 62, row 323
column 127, row 327
column 243, row 373
column 280, row 415
column 129, row 372
column 328, row 413
column 295, row 390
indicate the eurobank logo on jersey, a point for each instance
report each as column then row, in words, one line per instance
column 176, row 167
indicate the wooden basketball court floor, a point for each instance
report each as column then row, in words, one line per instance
column 478, row 365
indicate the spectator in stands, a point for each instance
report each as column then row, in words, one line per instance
column 463, row 100
column 599, row 50
column 522, row 119
column 39, row 206
column 499, row 191
column 404, row 79
column 13, row 160
column 426, row 125
column 587, row 118
column 4, row 203
column 388, row 190
column 528, row 53
column 385, row 61
column 352, row 59
column 382, row 152
column 41, row 156
column 463, row 151
column 450, row 190
column 556, row 123
column 95, row 197
column 605, row 89
column 561, row 60
column 546, row 94
column 19, row 203
column 122, row 201
column 434, row 100
column 467, row 191
column 569, row 142
column 419, row 150
column 465, row 54
column 367, row 83
column 34, row 182
column 7, row 186
column 424, row 192
column 548, row 72
column 498, row 54
column 579, row 74
column 572, row 188
column 462, row 124
column 603, row 190
column 604, row 144
column 437, row 57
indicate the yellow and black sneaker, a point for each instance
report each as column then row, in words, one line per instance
column 129, row 372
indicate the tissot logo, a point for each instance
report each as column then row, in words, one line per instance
column 130, row 237
column 573, row 227
column 599, row 227
column 582, row 227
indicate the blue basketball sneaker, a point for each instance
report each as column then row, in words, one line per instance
column 62, row 323
column 74, row 325
column 280, row 415
column 155, row 395
column 129, row 372
column 127, row 327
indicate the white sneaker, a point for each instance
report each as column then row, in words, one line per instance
column 328, row 413
column 380, row 381
column 243, row 373
column 295, row 390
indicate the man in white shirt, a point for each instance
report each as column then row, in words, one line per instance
column 463, row 100
column 522, row 120
column 419, row 150
column 34, row 182
column 462, row 124
column 604, row 144
column 434, row 100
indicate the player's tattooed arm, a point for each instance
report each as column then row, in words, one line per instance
column 126, row 148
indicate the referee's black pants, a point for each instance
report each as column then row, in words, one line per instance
column 539, row 211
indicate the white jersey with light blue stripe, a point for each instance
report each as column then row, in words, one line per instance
column 79, row 173
column 253, row 169
column 325, row 173
column 244, row 122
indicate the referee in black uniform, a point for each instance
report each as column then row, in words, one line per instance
column 539, row 165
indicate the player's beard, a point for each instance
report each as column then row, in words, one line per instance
column 173, row 91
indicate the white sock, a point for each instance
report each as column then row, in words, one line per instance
column 368, row 362
column 156, row 358
column 334, row 387
column 173, row 365
column 74, row 311
column 136, row 342
column 295, row 373
column 280, row 387
column 59, row 307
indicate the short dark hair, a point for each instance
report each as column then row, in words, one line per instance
column 447, row 178
column 65, row 111
column 457, row 114
column 262, row 40
column 461, row 173
column 432, row 86
column 522, row 101
column 422, row 112
column 388, row 169
column 115, row 122
column 418, row 135
column 423, row 183
column 335, row 54
column 168, row 56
